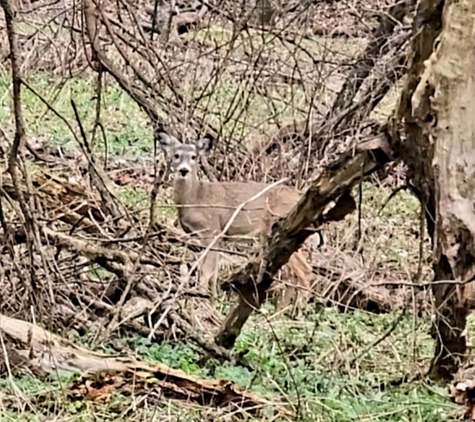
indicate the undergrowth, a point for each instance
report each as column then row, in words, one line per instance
column 330, row 366
column 122, row 139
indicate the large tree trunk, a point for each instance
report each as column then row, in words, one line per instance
column 438, row 110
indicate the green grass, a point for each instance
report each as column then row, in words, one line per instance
column 390, row 240
column 234, row 104
column 236, row 108
column 128, row 132
column 134, row 196
column 327, row 361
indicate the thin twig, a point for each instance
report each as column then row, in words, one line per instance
column 231, row 221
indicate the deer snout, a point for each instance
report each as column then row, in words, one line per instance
column 183, row 171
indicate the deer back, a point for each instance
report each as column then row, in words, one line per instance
column 217, row 201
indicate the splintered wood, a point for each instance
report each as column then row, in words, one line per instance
column 462, row 390
column 43, row 352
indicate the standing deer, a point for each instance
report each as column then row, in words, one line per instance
column 206, row 207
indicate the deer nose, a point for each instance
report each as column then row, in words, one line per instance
column 183, row 171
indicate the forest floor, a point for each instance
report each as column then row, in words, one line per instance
column 330, row 365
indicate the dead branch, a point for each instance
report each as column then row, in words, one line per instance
column 114, row 260
column 45, row 352
column 91, row 23
column 368, row 59
column 378, row 67
column 289, row 233
column 25, row 202
column 98, row 176
column 94, row 16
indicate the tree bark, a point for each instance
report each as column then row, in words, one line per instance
column 26, row 345
column 437, row 108
column 289, row 233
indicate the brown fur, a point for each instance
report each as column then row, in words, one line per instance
column 208, row 206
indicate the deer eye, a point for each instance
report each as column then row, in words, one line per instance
column 177, row 156
column 193, row 157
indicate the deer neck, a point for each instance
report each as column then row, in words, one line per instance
column 186, row 191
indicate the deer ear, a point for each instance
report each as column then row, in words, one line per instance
column 203, row 145
column 166, row 141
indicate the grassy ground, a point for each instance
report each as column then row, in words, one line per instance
column 123, row 139
column 331, row 366
column 328, row 365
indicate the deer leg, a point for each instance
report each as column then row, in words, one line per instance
column 209, row 273
column 299, row 292
column 209, row 268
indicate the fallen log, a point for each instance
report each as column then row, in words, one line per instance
column 27, row 345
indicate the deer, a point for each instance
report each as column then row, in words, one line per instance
column 206, row 207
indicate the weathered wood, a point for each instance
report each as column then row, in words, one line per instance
column 437, row 108
column 327, row 199
column 43, row 352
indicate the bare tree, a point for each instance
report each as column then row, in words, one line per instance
column 437, row 112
